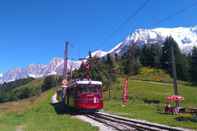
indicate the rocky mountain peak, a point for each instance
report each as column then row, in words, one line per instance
column 186, row 37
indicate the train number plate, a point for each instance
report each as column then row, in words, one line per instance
column 95, row 100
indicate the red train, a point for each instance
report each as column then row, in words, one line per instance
column 84, row 95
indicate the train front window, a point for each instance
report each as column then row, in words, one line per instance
column 89, row 88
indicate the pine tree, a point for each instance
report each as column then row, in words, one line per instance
column 116, row 57
column 151, row 55
column 109, row 60
column 181, row 62
column 110, row 67
column 193, row 69
column 157, row 53
column 146, row 57
column 131, row 60
column 90, row 54
column 49, row 82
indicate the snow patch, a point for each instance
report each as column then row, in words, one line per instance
column 98, row 53
column 116, row 48
column 55, row 67
column 186, row 38
column 52, row 73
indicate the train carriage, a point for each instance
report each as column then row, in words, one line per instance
column 84, row 95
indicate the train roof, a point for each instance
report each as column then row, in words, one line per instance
column 89, row 82
column 84, row 82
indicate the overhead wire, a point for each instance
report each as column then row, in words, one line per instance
column 128, row 19
column 183, row 10
column 176, row 13
column 138, row 10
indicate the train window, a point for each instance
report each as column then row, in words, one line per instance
column 89, row 88
column 93, row 89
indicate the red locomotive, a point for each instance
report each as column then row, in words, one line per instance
column 80, row 94
column 84, row 95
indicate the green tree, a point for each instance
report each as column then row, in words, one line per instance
column 151, row 55
column 98, row 69
column 182, row 64
column 49, row 82
column 131, row 60
column 109, row 60
column 193, row 69
column 110, row 67
column 116, row 57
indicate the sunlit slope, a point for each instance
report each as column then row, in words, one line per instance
column 37, row 114
column 141, row 93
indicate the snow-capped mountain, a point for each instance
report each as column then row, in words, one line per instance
column 98, row 53
column 39, row 70
column 185, row 37
column 1, row 75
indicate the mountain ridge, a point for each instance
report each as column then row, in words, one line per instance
column 54, row 67
column 186, row 37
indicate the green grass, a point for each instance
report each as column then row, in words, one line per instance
column 36, row 114
column 34, row 87
column 141, row 90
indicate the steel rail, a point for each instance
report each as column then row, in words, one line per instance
column 106, row 118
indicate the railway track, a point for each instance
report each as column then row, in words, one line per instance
column 124, row 124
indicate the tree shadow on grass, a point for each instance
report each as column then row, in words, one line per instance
column 186, row 118
column 61, row 108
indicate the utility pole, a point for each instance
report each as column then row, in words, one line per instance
column 174, row 70
column 65, row 72
column 109, row 92
column 71, row 71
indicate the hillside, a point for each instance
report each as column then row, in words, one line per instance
column 37, row 114
column 141, row 93
column 20, row 89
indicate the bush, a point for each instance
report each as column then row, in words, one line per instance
column 152, row 74
column 49, row 82
column 26, row 90
column 16, row 83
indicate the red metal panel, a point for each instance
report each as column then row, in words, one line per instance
column 90, row 106
column 89, row 101
column 125, row 91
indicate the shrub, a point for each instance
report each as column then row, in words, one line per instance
column 153, row 74
column 49, row 82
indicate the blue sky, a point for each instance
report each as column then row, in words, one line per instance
column 34, row 31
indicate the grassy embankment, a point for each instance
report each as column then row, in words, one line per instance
column 36, row 114
column 145, row 89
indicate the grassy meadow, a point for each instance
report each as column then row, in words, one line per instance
column 37, row 114
column 141, row 91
